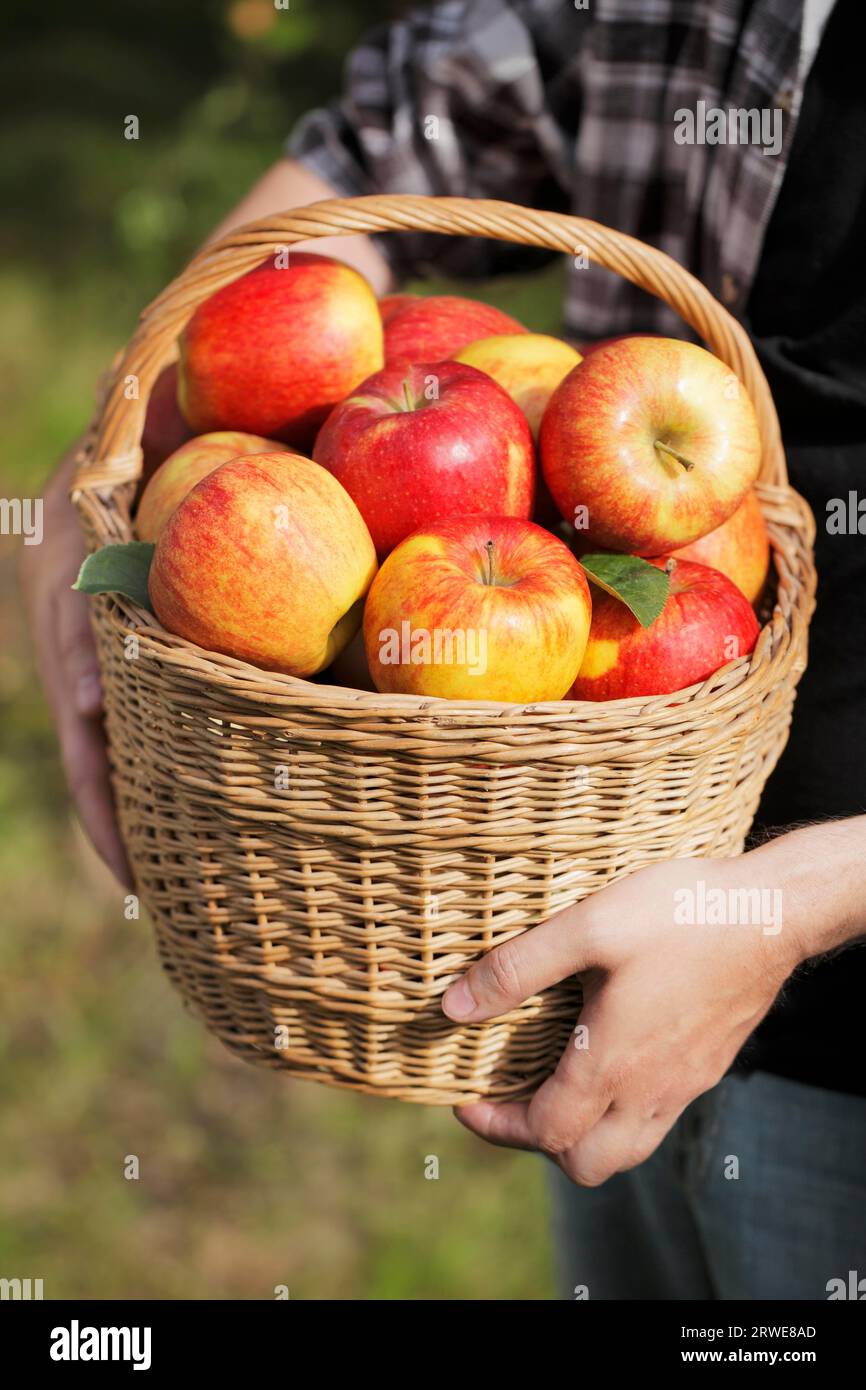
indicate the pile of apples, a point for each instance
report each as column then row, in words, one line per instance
column 398, row 493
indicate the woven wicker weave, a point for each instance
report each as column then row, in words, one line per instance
column 315, row 928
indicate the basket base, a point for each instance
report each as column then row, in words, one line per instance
column 415, row 1055
column 405, row 1088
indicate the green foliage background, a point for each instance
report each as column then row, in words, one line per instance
column 247, row 1181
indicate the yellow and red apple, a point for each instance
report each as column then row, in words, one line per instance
column 655, row 438
column 478, row 608
column 587, row 349
column 529, row 366
column 439, row 325
column 705, row 623
column 273, row 352
column 268, row 560
column 391, row 304
column 740, row 548
column 187, row 466
column 415, row 444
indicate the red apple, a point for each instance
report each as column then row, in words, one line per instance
column 415, row 444
column 705, row 623
column 272, row 352
column 652, row 442
column 478, row 608
column 740, row 548
column 529, row 366
column 187, row 466
column 267, row 560
column 165, row 429
column 587, row 349
column 391, row 304
column 439, row 325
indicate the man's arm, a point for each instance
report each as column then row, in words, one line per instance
column 669, row 997
column 288, row 184
column 59, row 621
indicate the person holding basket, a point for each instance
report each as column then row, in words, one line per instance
column 708, row 1142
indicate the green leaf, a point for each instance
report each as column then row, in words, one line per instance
column 639, row 585
column 118, row 569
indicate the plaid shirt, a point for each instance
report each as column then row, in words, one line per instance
column 543, row 103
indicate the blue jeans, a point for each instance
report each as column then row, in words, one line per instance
column 682, row 1225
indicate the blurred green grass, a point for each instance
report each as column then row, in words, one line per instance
column 246, row 1181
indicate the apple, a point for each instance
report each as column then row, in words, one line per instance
column 187, row 466
column 529, row 366
column 587, row 349
column 267, row 560
column 740, row 548
column 165, row 429
column 705, row 623
column 478, row 608
column 391, row 304
column 654, row 440
column 438, row 326
column 415, row 444
column 274, row 351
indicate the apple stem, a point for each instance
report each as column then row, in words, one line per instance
column 407, row 396
column 671, row 565
column 489, row 548
column 687, row 464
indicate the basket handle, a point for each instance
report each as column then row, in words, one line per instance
column 116, row 456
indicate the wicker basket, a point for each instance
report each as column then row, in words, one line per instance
column 315, row 928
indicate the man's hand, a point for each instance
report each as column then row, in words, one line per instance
column 668, row 1003
column 66, row 656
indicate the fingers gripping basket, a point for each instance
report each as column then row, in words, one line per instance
column 316, row 926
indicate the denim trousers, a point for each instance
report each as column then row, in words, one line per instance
column 758, row 1192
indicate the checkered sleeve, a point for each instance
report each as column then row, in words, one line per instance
column 447, row 100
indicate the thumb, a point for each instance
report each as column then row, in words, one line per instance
column 513, row 972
